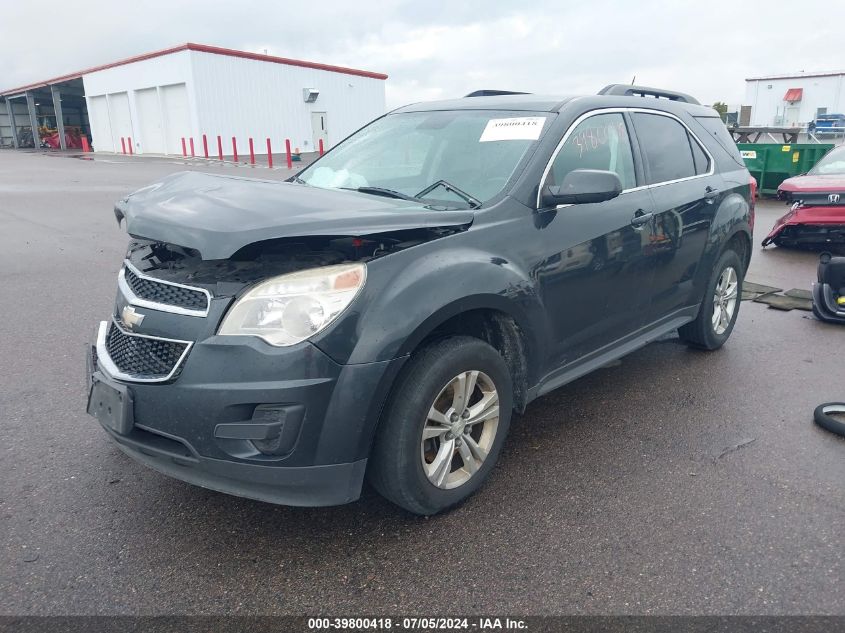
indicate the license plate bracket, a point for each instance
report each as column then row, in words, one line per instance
column 111, row 403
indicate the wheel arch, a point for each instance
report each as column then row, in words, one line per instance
column 500, row 329
column 740, row 242
column 486, row 317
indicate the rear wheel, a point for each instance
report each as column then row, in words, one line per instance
column 720, row 306
column 443, row 426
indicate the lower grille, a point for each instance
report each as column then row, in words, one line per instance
column 143, row 358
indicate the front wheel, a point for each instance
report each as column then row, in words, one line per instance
column 720, row 306
column 443, row 426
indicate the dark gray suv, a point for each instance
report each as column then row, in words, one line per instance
column 384, row 312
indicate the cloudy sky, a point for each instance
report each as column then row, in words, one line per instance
column 437, row 50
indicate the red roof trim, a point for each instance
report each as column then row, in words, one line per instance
column 201, row 48
column 216, row 50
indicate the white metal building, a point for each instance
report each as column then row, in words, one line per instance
column 156, row 100
column 793, row 100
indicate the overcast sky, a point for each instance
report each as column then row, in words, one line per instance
column 437, row 50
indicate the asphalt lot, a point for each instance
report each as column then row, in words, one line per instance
column 674, row 482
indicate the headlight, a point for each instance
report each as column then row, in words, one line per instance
column 288, row 309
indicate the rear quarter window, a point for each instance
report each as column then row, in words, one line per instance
column 716, row 130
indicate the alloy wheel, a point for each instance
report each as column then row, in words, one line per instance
column 724, row 300
column 460, row 429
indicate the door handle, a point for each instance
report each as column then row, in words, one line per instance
column 710, row 194
column 640, row 218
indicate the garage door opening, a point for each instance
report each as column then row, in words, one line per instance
column 46, row 117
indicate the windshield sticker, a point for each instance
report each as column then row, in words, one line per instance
column 526, row 128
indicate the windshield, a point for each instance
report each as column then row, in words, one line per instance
column 458, row 158
column 831, row 163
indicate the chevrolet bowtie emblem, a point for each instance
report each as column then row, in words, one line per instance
column 131, row 318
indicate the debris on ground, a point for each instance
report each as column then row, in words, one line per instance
column 786, row 302
column 794, row 299
column 799, row 293
column 734, row 448
column 751, row 291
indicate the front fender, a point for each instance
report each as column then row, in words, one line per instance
column 408, row 294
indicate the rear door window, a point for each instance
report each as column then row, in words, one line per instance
column 666, row 147
column 699, row 157
column 598, row 142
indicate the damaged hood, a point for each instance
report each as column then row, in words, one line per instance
column 219, row 215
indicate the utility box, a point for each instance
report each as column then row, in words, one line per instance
column 772, row 163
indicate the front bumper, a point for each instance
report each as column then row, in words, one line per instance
column 809, row 225
column 283, row 425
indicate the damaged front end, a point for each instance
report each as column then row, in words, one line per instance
column 263, row 260
column 196, row 234
column 207, row 369
column 811, row 222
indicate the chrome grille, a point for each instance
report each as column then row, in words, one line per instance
column 140, row 357
column 158, row 294
column 168, row 294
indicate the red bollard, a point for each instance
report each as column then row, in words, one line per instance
column 122, row 144
column 85, row 147
column 321, row 147
column 184, row 149
column 205, row 145
column 192, row 146
column 219, row 147
column 287, row 151
column 251, row 152
column 235, row 148
column 129, row 144
column 269, row 155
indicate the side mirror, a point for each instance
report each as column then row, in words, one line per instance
column 583, row 185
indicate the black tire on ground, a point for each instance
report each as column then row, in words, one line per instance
column 700, row 333
column 823, row 418
column 395, row 466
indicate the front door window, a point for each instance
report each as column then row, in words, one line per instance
column 598, row 142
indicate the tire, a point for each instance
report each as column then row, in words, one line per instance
column 418, row 474
column 703, row 333
column 826, row 421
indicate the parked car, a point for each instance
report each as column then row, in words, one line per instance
column 817, row 212
column 384, row 312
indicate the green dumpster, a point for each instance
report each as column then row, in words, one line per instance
column 772, row 163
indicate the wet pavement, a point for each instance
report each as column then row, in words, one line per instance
column 673, row 482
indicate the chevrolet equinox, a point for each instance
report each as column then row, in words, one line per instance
column 383, row 313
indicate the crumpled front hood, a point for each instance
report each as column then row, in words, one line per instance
column 219, row 215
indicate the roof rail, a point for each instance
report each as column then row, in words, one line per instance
column 643, row 91
column 493, row 93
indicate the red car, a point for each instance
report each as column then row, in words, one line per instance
column 817, row 215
